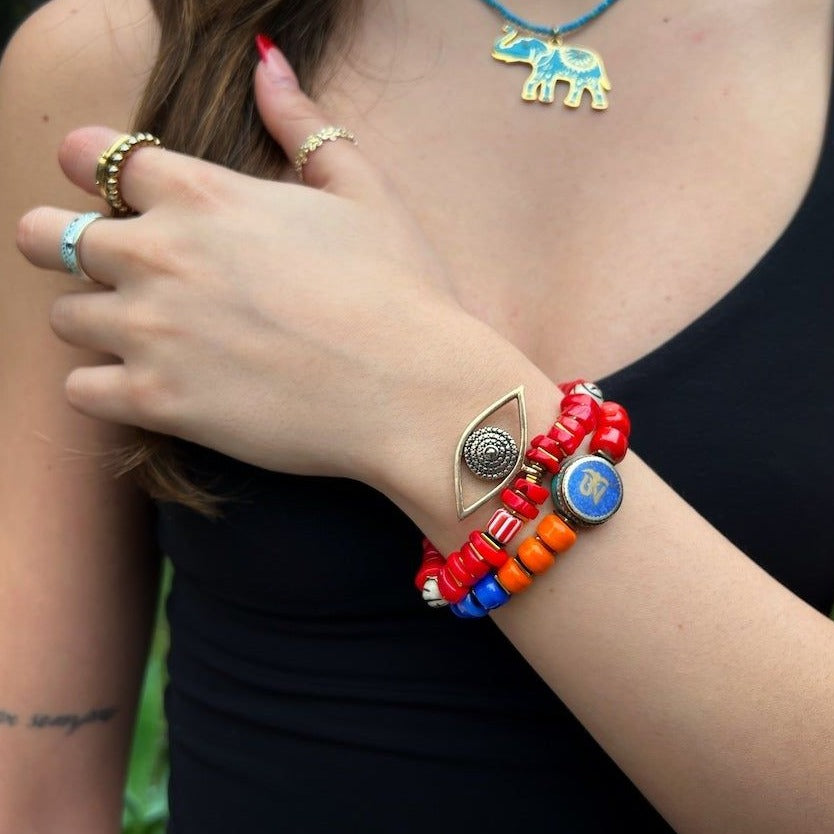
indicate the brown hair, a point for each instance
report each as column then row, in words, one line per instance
column 199, row 100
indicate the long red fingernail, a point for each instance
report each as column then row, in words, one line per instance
column 278, row 69
column 264, row 44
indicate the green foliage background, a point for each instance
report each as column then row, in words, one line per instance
column 146, row 792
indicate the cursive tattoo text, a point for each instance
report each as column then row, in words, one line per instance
column 68, row 722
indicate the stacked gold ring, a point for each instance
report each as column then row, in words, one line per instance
column 315, row 140
column 109, row 169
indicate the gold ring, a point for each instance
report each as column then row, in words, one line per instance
column 315, row 140
column 109, row 169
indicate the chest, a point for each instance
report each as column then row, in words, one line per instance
column 589, row 238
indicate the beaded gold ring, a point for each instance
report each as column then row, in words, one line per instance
column 110, row 166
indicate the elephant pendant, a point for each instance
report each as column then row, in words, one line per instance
column 552, row 62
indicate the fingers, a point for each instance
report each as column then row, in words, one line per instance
column 81, row 148
column 291, row 117
column 148, row 174
column 39, row 236
column 101, row 391
column 95, row 321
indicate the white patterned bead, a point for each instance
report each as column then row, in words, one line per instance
column 588, row 388
column 432, row 595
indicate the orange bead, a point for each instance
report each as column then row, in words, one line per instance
column 535, row 556
column 513, row 577
column 556, row 534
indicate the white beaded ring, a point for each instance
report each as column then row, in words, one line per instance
column 71, row 239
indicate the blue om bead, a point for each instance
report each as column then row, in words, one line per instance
column 489, row 593
column 468, row 608
column 588, row 491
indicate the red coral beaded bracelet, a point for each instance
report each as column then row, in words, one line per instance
column 583, row 411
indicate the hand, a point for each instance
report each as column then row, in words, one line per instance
column 283, row 325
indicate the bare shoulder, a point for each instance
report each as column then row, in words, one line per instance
column 76, row 61
column 72, row 63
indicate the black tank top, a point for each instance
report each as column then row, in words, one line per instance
column 310, row 688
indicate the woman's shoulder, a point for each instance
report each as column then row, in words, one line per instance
column 83, row 60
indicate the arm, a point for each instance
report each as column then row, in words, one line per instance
column 703, row 677
column 77, row 566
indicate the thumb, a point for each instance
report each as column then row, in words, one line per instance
column 292, row 118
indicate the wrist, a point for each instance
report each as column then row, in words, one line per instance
column 579, row 451
column 465, row 368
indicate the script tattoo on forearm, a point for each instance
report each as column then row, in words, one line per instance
column 68, row 722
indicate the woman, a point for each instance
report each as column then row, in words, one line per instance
column 353, row 328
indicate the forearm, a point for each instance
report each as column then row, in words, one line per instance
column 701, row 676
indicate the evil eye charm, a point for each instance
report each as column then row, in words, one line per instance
column 588, row 491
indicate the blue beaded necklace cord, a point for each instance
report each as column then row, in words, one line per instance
column 564, row 29
column 551, row 62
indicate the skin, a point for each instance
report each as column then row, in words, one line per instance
column 749, row 713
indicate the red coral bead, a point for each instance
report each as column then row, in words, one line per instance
column 519, row 504
column 587, row 412
column 616, row 417
column 565, row 387
column 610, row 442
column 456, row 568
column 573, row 425
column 549, row 445
column 496, row 556
column 535, row 492
column 550, row 463
column 430, row 550
column 470, row 559
column 428, row 570
column 449, row 588
column 568, row 441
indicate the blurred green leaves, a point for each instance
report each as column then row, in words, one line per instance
column 146, row 793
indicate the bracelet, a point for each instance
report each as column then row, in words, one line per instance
column 535, row 556
column 481, row 576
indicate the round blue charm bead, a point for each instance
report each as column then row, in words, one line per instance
column 489, row 593
column 588, row 490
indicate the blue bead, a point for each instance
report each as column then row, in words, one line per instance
column 564, row 29
column 489, row 593
column 588, row 490
column 468, row 608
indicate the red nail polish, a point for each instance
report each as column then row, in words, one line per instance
column 264, row 44
column 278, row 69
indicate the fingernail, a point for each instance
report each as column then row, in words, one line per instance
column 278, row 69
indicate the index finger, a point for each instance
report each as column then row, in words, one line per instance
column 147, row 173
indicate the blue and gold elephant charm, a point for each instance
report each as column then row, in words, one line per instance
column 552, row 62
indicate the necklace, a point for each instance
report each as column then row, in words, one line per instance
column 550, row 60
